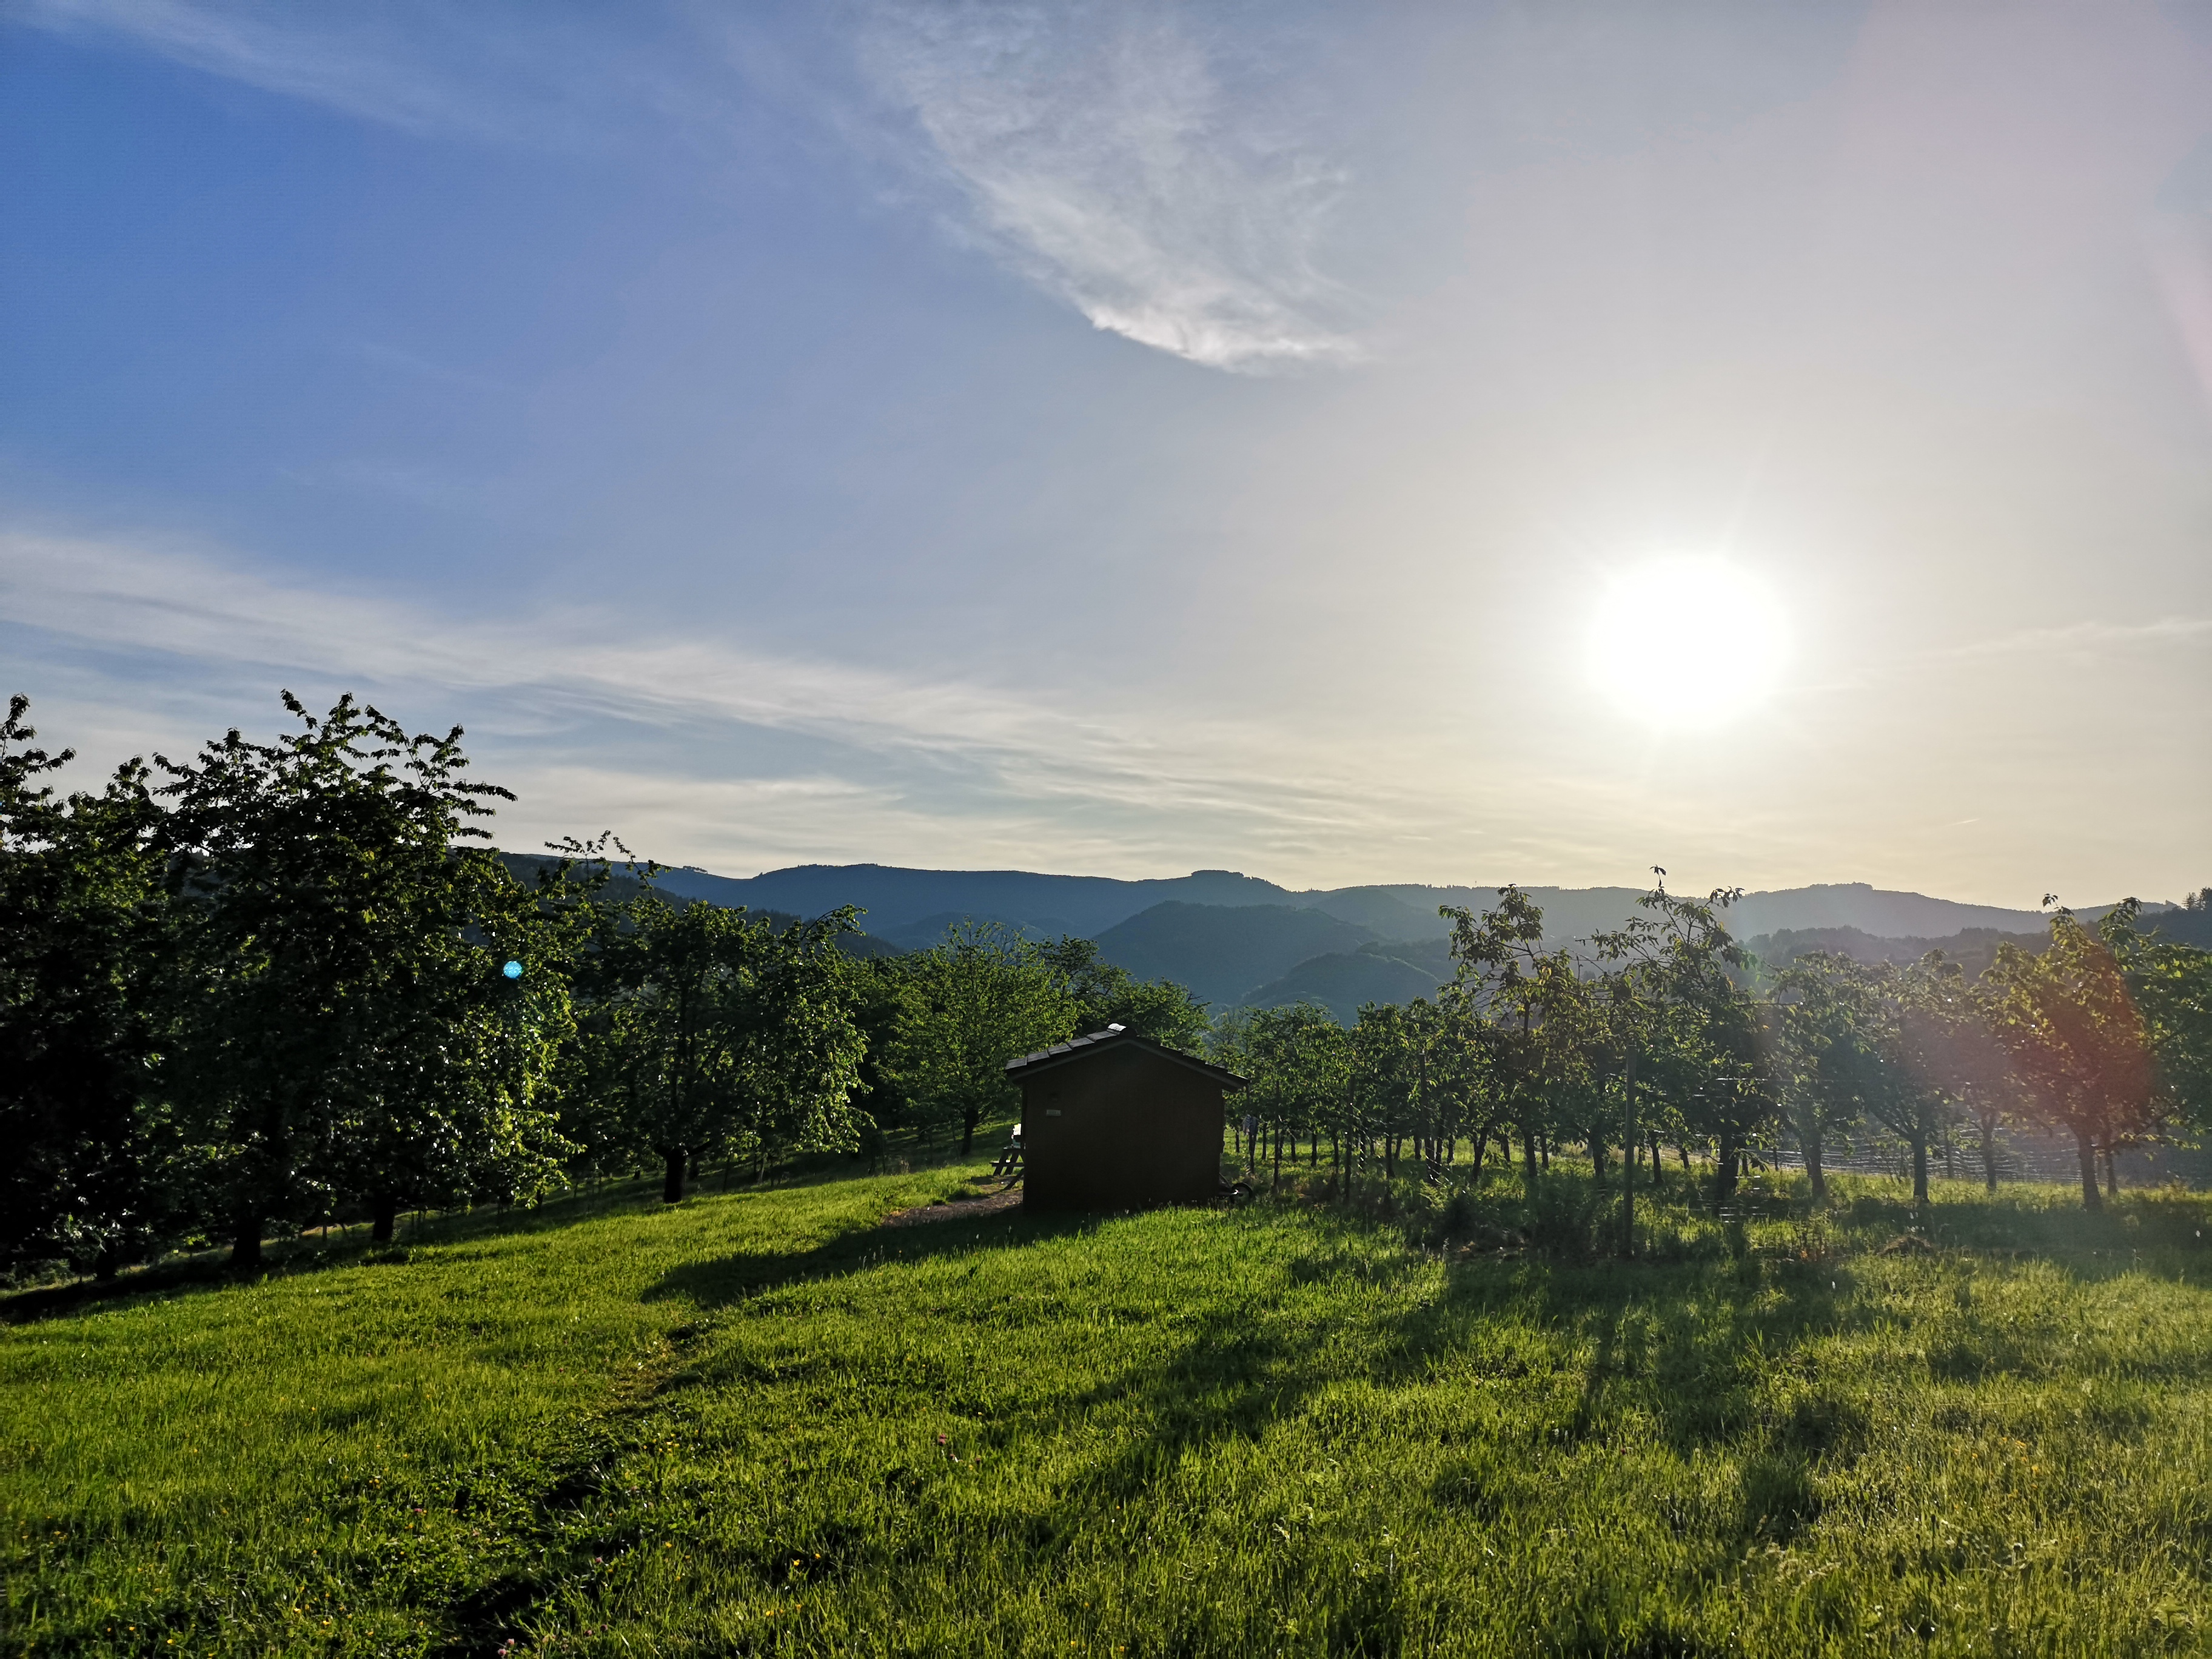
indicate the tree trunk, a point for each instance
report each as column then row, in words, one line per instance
column 1389, row 1157
column 1279, row 1155
column 1989, row 1127
column 2111, row 1174
column 1543, row 1148
column 1658, row 1179
column 1528, row 1156
column 967, row 1132
column 268, row 1171
column 1725, row 1172
column 1808, row 1136
column 672, row 1175
column 2091, row 1198
column 383, row 1214
column 1920, row 1170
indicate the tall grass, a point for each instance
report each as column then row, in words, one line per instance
column 756, row 1422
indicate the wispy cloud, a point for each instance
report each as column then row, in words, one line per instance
column 700, row 749
column 2089, row 638
column 540, row 76
column 884, row 761
column 1122, row 156
column 1100, row 149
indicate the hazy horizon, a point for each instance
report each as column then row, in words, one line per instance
column 1347, row 448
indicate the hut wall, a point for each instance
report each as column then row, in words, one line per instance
column 1119, row 1129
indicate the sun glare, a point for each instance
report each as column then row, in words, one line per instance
column 1688, row 642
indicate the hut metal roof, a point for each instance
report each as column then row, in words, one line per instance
column 1116, row 1036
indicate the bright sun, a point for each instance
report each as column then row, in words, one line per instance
column 1688, row 642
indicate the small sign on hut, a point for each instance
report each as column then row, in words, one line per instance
column 1116, row 1122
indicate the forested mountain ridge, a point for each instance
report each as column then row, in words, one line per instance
column 1344, row 982
column 1973, row 948
column 896, row 898
column 1222, row 951
column 1237, row 940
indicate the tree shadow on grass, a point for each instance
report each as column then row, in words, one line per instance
column 350, row 1246
column 718, row 1281
column 1691, row 1357
column 287, row 1258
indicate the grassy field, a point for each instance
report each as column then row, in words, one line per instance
column 758, row 1423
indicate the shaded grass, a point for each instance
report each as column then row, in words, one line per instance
column 755, row 1423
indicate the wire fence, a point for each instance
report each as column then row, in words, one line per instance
column 2018, row 1156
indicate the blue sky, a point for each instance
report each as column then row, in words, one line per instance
column 1132, row 438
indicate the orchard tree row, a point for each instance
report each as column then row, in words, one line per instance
column 1667, row 1032
column 284, row 984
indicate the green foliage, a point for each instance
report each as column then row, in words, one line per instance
column 2076, row 1043
column 2170, row 985
column 343, row 1024
column 1297, row 1063
column 1532, row 1016
column 269, row 994
column 756, row 1423
column 1105, row 994
column 1896, row 1045
column 713, row 1030
column 1679, row 996
column 982, row 996
column 91, row 1163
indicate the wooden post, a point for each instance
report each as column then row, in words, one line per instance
column 1628, row 1159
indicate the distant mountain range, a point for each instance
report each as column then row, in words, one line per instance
column 1235, row 939
column 897, row 899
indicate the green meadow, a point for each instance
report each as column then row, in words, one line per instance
column 758, row 1422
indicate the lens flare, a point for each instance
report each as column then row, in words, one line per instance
column 1688, row 642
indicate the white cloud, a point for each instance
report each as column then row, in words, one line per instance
column 536, row 77
column 887, row 763
column 1114, row 154
column 2090, row 639
column 1099, row 150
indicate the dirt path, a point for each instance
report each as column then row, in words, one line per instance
column 959, row 1209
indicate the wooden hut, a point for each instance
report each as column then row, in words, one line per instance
column 1116, row 1122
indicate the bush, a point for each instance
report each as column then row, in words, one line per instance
column 1562, row 1219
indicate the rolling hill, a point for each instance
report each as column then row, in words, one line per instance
column 896, row 899
column 1222, row 951
column 1235, row 938
column 1343, row 980
column 1973, row 948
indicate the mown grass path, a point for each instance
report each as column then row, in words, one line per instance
column 756, row 1423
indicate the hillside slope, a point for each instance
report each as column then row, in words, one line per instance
column 1973, row 950
column 1225, row 935
column 1220, row 952
column 1342, row 981
column 758, row 1423
column 897, row 898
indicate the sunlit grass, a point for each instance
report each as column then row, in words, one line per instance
column 757, row 1423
